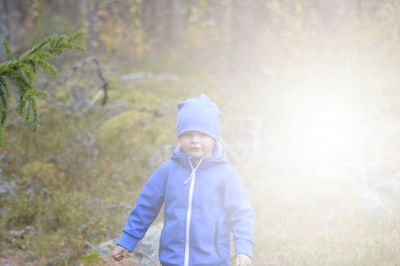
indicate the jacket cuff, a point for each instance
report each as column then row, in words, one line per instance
column 127, row 241
column 244, row 247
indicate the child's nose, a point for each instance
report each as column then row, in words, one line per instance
column 195, row 138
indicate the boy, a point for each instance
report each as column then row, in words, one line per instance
column 204, row 200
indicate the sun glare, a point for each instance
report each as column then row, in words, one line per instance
column 327, row 118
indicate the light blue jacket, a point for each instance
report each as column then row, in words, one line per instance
column 201, row 208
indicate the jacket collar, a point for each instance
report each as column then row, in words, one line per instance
column 218, row 156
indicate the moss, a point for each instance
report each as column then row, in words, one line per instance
column 91, row 258
column 62, row 94
column 127, row 123
column 23, row 212
column 43, row 175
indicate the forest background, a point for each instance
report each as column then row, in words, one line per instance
column 309, row 93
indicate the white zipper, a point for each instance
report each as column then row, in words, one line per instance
column 192, row 180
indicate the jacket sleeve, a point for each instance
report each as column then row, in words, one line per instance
column 145, row 210
column 239, row 214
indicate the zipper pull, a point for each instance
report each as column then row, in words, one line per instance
column 193, row 174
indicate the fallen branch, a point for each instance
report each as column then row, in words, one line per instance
column 91, row 60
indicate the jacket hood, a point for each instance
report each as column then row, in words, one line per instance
column 218, row 156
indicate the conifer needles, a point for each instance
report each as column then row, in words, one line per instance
column 22, row 73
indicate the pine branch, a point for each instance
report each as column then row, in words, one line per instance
column 23, row 71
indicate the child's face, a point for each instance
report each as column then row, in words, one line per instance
column 196, row 144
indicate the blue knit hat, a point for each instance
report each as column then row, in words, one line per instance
column 198, row 114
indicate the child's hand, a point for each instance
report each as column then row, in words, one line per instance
column 243, row 260
column 119, row 253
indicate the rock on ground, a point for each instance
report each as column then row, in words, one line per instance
column 145, row 253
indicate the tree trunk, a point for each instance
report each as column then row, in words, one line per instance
column 179, row 11
column 4, row 28
column 245, row 23
column 91, row 8
column 164, row 24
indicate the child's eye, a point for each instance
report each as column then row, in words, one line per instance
column 194, row 133
column 187, row 134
